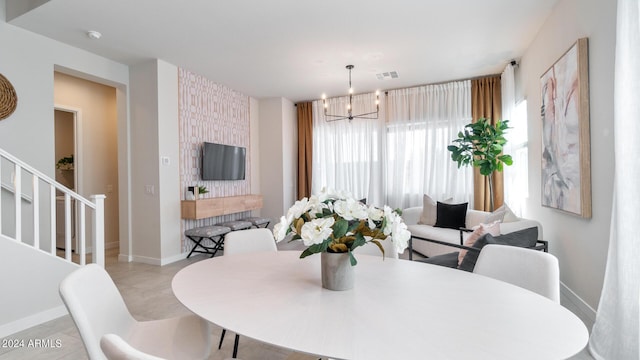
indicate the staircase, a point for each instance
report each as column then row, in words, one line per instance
column 28, row 202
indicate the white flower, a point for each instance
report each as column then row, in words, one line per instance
column 350, row 209
column 343, row 195
column 391, row 217
column 323, row 195
column 341, row 205
column 299, row 208
column 316, row 230
column 280, row 229
column 401, row 235
column 326, row 194
column 316, row 206
column 374, row 214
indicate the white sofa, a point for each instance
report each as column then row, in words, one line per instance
column 411, row 217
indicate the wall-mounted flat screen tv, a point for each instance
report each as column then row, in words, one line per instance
column 223, row 162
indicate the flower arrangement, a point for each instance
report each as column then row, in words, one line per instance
column 338, row 223
column 65, row 163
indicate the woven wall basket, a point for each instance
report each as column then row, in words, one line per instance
column 8, row 98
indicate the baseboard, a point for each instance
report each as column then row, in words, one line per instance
column 112, row 245
column 586, row 310
column 145, row 260
column 172, row 259
column 150, row 260
column 32, row 320
column 125, row 258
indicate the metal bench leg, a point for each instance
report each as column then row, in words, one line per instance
column 197, row 244
column 219, row 244
column 210, row 250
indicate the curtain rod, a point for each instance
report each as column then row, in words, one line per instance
column 386, row 92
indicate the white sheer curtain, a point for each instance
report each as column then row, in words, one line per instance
column 516, row 175
column 508, row 89
column 422, row 122
column 616, row 333
column 347, row 154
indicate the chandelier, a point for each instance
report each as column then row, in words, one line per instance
column 350, row 115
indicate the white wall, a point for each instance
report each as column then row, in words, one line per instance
column 145, row 218
column 289, row 153
column 271, row 166
column 254, row 134
column 169, row 189
column 29, row 286
column 155, row 187
column 16, row 8
column 278, row 155
column 9, row 217
column 28, row 60
column 580, row 244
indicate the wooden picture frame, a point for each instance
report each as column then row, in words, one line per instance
column 566, row 155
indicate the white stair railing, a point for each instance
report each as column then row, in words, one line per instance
column 72, row 201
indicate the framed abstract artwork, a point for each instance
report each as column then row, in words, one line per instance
column 566, row 159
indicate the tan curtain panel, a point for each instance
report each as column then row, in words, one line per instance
column 486, row 102
column 305, row 148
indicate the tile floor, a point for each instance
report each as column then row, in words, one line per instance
column 147, row 291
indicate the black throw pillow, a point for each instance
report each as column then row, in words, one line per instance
column 452, row 216
column 521, row 238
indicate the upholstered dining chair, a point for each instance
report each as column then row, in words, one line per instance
column 115, row 348
column 537, row 271
column 249, row 241
column 97, row 308
column 246, row 241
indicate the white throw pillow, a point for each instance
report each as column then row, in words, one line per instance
column 430, row 210
column 479, row 230
column 497, row 215
column 509, row 216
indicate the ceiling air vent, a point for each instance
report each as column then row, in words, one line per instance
column 387, row 75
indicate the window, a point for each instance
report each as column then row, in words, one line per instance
column 516, row 176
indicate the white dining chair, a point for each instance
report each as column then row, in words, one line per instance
column 115, row 348
column 372, row 249
column 534, row 270
column 246, row 241
column 249, row 241
column 97, row 308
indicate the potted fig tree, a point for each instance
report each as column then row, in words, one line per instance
column 480, row 145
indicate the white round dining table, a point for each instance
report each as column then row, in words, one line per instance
column 398, row 309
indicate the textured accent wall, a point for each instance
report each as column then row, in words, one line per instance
column 210, row 112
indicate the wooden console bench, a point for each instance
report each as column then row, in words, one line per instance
column 206, row 208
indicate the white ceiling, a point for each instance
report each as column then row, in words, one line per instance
column 298, row 49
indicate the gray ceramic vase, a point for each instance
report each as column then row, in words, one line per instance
column 337, row 272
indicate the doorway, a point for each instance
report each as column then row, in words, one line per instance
column 96, row 143
column 65, row 148
column 66, row 173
